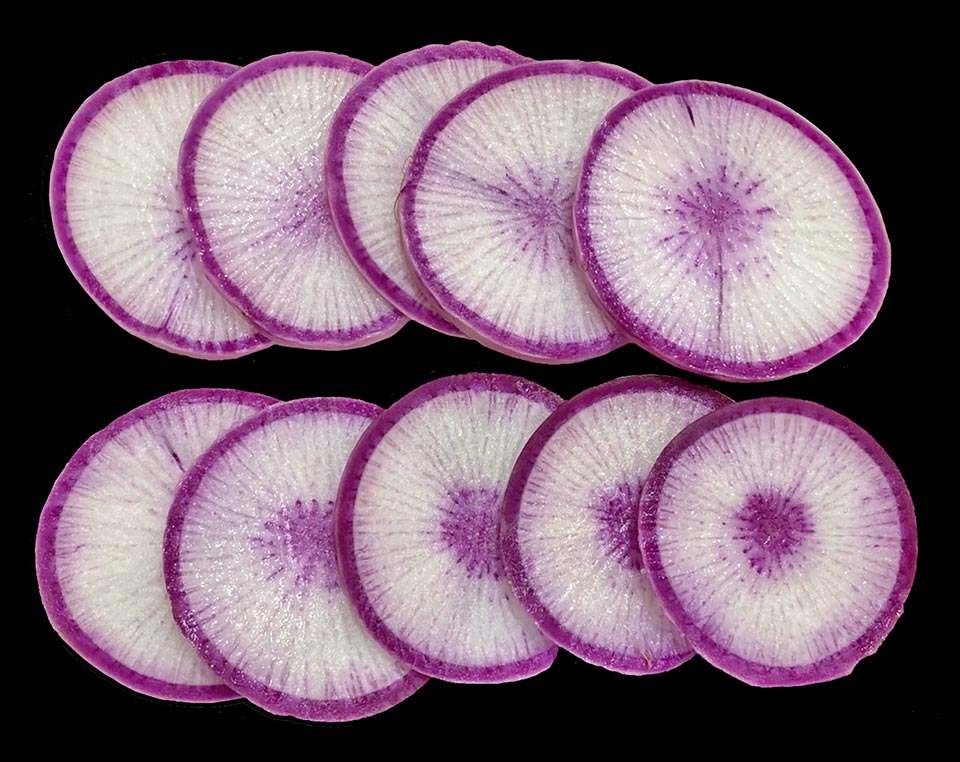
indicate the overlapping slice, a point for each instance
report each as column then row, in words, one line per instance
column 372, row 138
column 728, row 235
column 781, row 540
column 117, row 216
column 100, row 542
column 252, row 179
column 569, row 525
column 417, row 518
column 251, row 567
column 486, row 208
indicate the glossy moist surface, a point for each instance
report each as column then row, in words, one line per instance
column 117, row 214
column 781, row 539
column 417, row 528
column 252, row 570
column 100, row 543
column 486, row 211
column 727, row 234
column 569, row 530
column 252, row 171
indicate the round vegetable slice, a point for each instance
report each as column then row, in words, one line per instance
column 417, row 522
column 117, row 215
column 781, row 540
column 252, row 179
column 569, row 525
column 251, row 568
column 372, row 138
column 100, row 542
column 486, row 208
column 726, row 234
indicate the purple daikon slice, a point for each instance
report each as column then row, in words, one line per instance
column 252, row 180
column 728, row 235
column 251, row 567
column 417, row 523
column 100, row 542
column 486, row 210
column 569, row 526
column 374, row 133
column 781, row 540
column 117, row 215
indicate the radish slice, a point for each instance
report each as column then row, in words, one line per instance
column 251, row 173
column 99, row 546
column 373, row 135
column 728, row 235
column 486, row 209
column 417, row 519
column 117, row 216
column 781, row 540
column 569, row 524
column 252, row 573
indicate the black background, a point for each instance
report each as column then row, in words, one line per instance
column 74, row 371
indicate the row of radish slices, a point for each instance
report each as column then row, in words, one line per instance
column 550, row 210
column 323, row 557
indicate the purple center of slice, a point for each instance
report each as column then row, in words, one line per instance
column 468, row 525
column 616, row 512
column 543, row 224
column 711, row 216
column 306, row 202
column 771, row 527
column 300, row 539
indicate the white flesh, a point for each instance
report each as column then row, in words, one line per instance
column 578, row 557
column 270, row 604
column 829, row 588
column 109, row 543
column 260, row 191
column 769, row 256
column 494, row 206
column 380, row 142
column 125, row 217
column 458, row 611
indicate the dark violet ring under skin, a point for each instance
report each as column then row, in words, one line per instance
column 510, row 547
column 345, row 509
column 50, row 590
column 468, row 320
column 156, row 335
column 836, row 665
column 290, row 334
column 247, row 686
column 697, row 362
column 336, row 150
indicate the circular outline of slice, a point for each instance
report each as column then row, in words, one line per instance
column 420, row 307
column 51, row 591
column 346, row 510
column 469, row 320
column 790, row 523
column 631, row 582
column 191, row 623
column 387, row 324
column 86, row 115
column 612, row 294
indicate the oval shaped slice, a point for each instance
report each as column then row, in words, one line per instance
column 372, row 138
column 726, row 234
column 417, row 520
column 100, row 542
column 252, row 574
column 486, row 211
column 569, row 525
column 252, row 179
column 781, row 540
column 117, row 215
